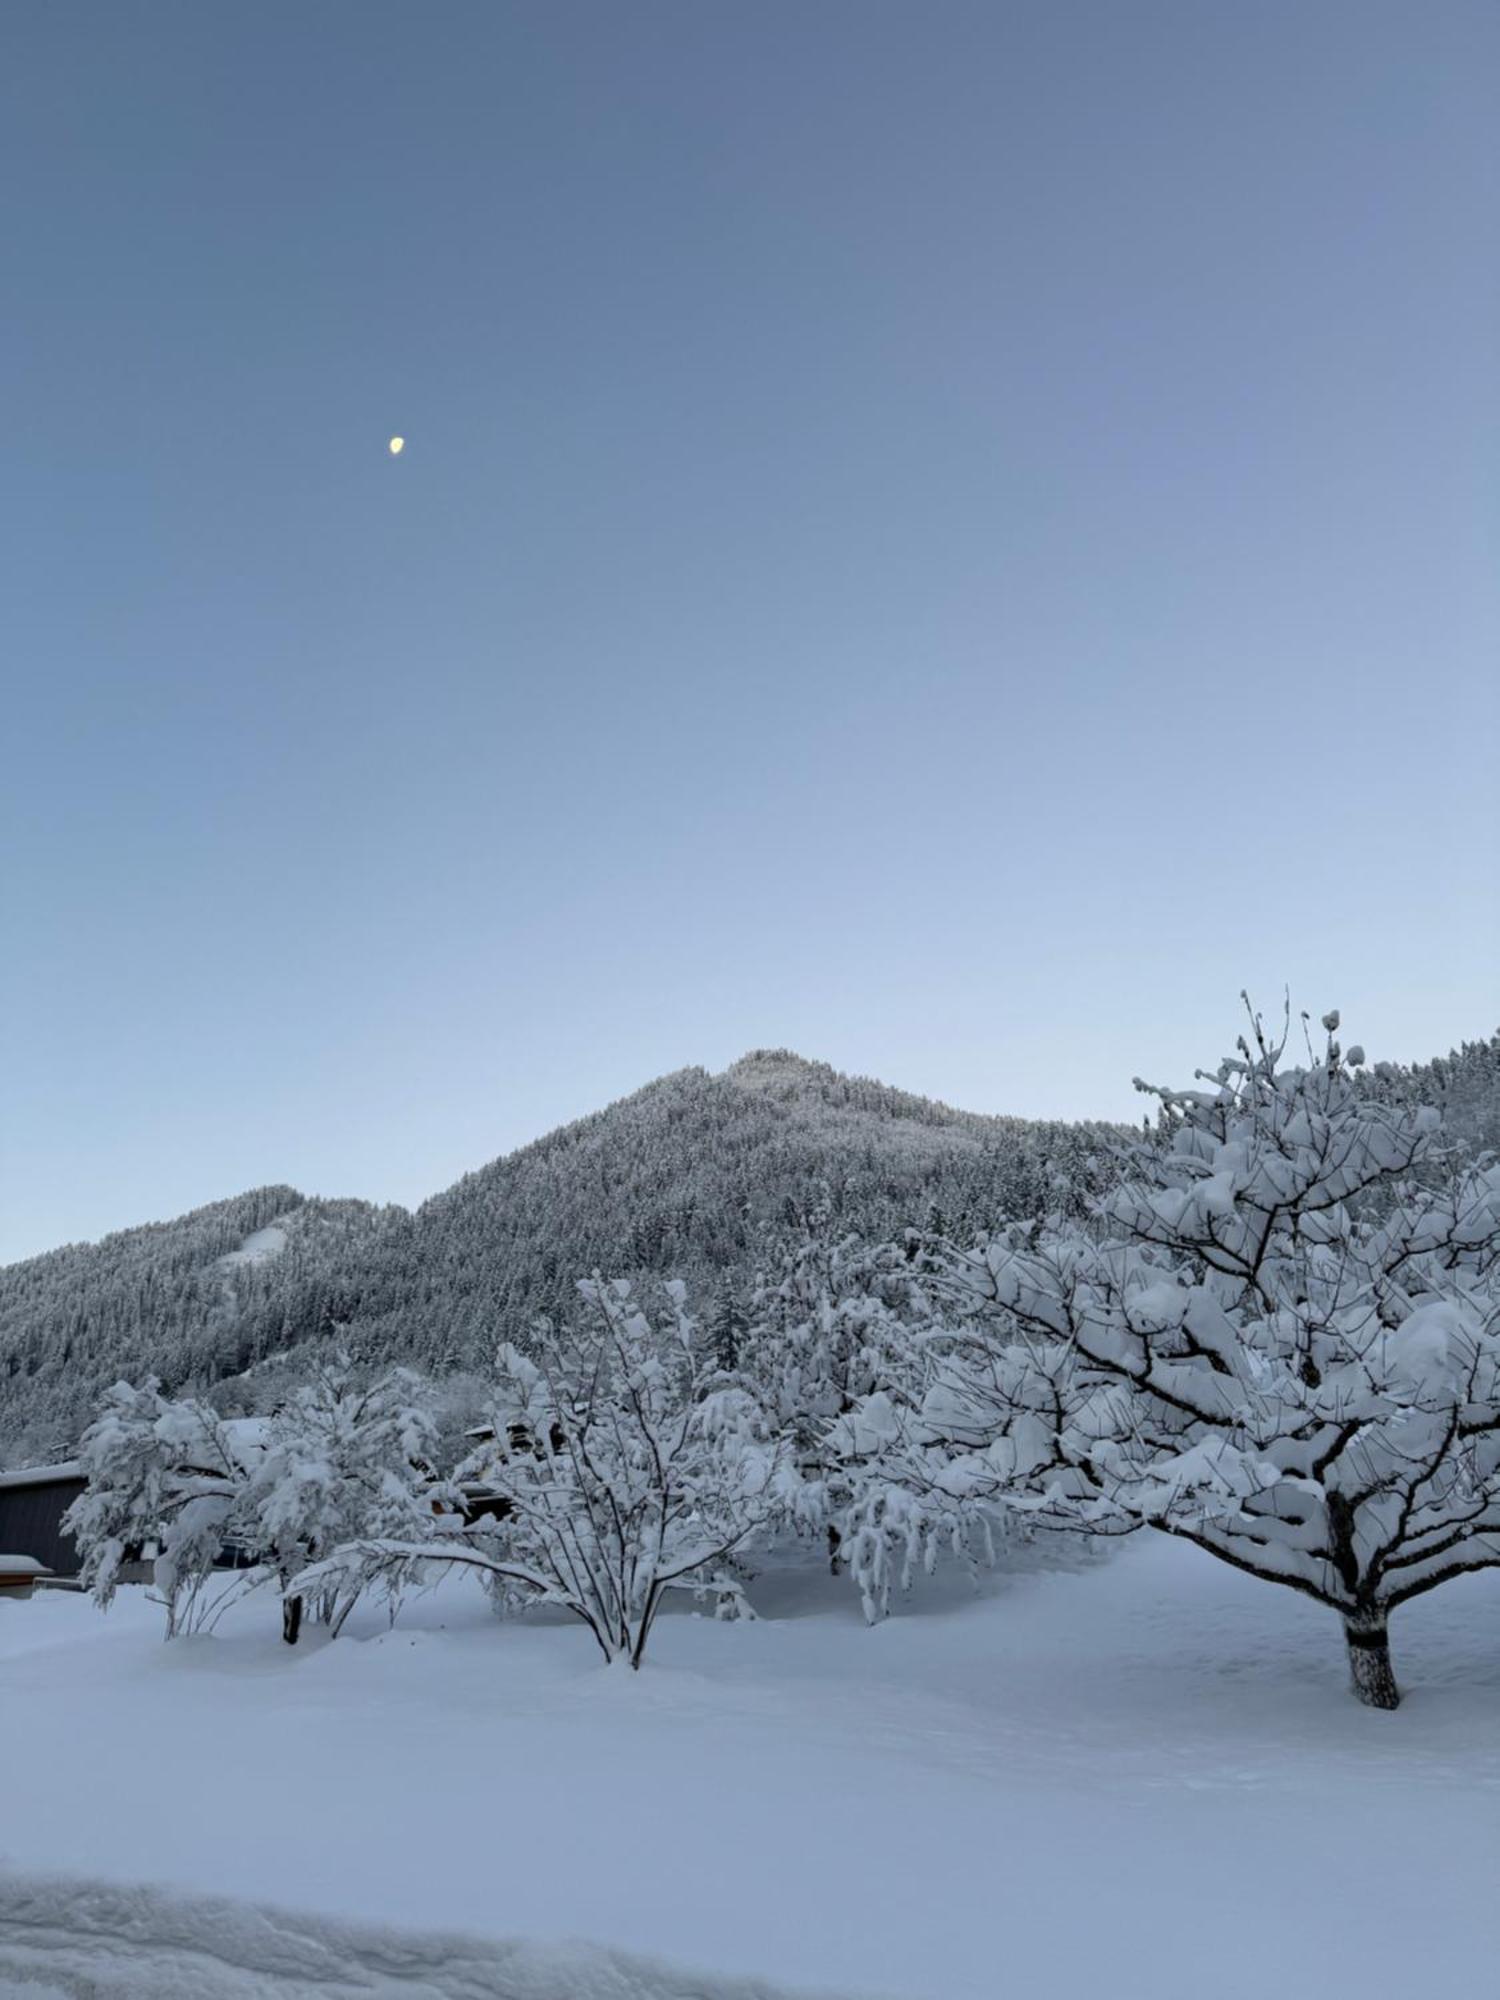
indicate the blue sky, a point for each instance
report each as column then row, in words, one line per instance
column 952, row 538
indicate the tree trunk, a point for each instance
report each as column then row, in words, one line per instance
column 1370, row 1659
column 291, row 1619
column 835, row 1558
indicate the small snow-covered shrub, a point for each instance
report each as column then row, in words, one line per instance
column 906, row 1503
column 167, row 1475
column 835, row 1346
column 226, row 1502
column 343, row 1459
column 830, row 1327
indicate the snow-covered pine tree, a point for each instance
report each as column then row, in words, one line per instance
column 726, row 1330
column 1280, row 1340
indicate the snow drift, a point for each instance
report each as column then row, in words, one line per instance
column 89, row 1940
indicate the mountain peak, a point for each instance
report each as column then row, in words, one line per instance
column 777, row 1066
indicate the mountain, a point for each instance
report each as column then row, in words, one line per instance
column 691, row 1176
column 189, row 1300
column 1464, row 1085
column 686, row 1176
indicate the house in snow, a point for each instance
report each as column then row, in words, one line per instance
column 32, row 1504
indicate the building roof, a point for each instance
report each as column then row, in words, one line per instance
column 43, row 1475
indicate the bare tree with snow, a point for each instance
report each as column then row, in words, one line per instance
column 1280, row 1341
column 620, row 1466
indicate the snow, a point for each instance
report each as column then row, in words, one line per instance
column 246, row 1438
column 258, row 1247
column 1421, row 1357
column 1145, row 1775
column 22, row 1566
column 42, row 1475
column 140, row 1943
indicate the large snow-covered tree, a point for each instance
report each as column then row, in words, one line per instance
column 1279, row 1340
column 620, row 1464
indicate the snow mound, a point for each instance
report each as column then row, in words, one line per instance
column 67, row 1939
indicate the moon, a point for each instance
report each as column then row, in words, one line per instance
column 398, row 445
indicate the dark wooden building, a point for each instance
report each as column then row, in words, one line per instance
column 32, row 1504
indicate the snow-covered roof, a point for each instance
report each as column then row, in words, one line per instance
column 42, row 1475
column 22, row 1566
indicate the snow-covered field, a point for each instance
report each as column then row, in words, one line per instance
column 1143, row 1777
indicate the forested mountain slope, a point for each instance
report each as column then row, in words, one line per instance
column 685, row 1176
column 689, row 1176
column 1464, row 1086
column 191, row 1300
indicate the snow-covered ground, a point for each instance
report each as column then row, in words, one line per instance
column 1143, row 1777
column 66, row 1939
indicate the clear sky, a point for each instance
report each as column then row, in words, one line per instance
column 949, row 537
